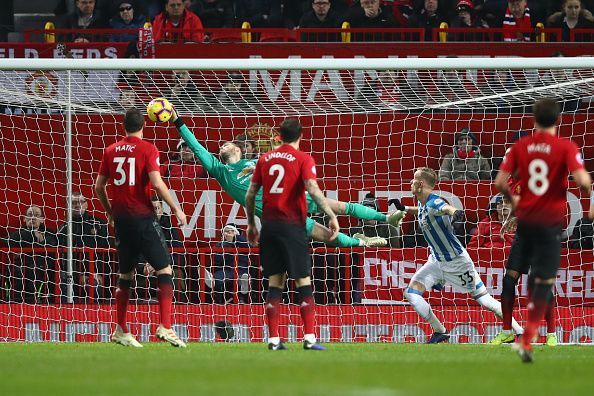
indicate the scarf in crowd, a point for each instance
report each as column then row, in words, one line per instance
column 510, row 24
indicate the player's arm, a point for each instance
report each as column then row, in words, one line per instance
column 584, row 181
column 101, row 191
column 311, row 186
column 501, row 184
column 163, row 192
column 250, row 208
column 413, row 210
column 208, row 161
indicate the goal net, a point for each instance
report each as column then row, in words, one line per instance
column 368, row 124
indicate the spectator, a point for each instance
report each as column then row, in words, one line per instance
column 184, row 164
column 184, row 94
column 517, row 16
column 32, row 272
column 466, row 161
column 583, row 235
column 177, row 24
column 320, row 16
column 373, row 228
column 127, row 18
column 224, row 267
column 428, row 17
column 259, row 13
column 87, row 232
column 371, row 15
column 465, row 17
column 85, row 17
column 492, row 11
column 573, row 16
column 214, row 13
column 497, row 230
column 247, row 145
column 236, row 95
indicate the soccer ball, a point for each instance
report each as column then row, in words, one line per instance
column 159, row 110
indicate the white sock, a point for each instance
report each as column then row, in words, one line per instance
column 274, row 340
column 424, row 310
column 494, row 306
column 311, row 338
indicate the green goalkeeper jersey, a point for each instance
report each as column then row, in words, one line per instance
column 234, row 178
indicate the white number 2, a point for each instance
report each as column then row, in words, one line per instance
column 538, row 182
column 122, row 173
column 275, row 189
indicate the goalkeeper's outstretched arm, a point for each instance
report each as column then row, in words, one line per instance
column 208, row 161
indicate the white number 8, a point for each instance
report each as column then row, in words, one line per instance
column 275, row 189
column 538, row 182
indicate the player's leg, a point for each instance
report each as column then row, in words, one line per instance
column 154, row 249
column 546, row 247
column 127, row 247
column 551, row 320
column 273, row 261
column 423, row 279
column 320, row 233
column 357, row 210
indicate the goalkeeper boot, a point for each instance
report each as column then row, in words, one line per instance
column 169, row 336
column 504, row 337
column 396, row 217
column 277, row 347
column 371, row 241
column 437, row 338
column 551, row 339
column 525, row 353
column 125, row 339
column 313, row 346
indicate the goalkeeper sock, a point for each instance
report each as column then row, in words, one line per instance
column 273, row 311
column 122, row 296
column 550, row 315
column 343, row 240
column 165, row 297
column 307, row 309
column 364, row 212
column 415, row 298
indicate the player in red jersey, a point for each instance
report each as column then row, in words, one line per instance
column 284, row 175
column 132, row 165
column 541, row 163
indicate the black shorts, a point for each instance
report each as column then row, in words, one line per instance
column 284, row 248
column 136, row 236
column 540, row 249
column 514, row 260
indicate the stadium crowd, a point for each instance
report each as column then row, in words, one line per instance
column 193, row 20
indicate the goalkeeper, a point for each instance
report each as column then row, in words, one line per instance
column 234, row 174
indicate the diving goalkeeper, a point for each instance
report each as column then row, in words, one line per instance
column 234, row 174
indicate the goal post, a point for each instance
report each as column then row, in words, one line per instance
column 368, row 122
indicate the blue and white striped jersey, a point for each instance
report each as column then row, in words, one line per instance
column 437, row 230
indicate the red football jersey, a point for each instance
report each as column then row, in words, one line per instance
column 282, row 173
column 128, row 163
column 542, row 163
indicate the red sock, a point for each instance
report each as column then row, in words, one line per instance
column 122, row 296
column 308, row 314
column 536, row 309
column 273, row 311
column 165, row 297
column 507, row 308
column 551, row 316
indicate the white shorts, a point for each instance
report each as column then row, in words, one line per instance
column 459, row 273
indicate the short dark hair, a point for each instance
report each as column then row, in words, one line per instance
column 133, row 120
column 290, row 130
column 546, row 112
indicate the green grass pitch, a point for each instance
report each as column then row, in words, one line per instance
column 250, row 369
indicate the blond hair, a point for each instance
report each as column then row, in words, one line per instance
column 428, row 175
